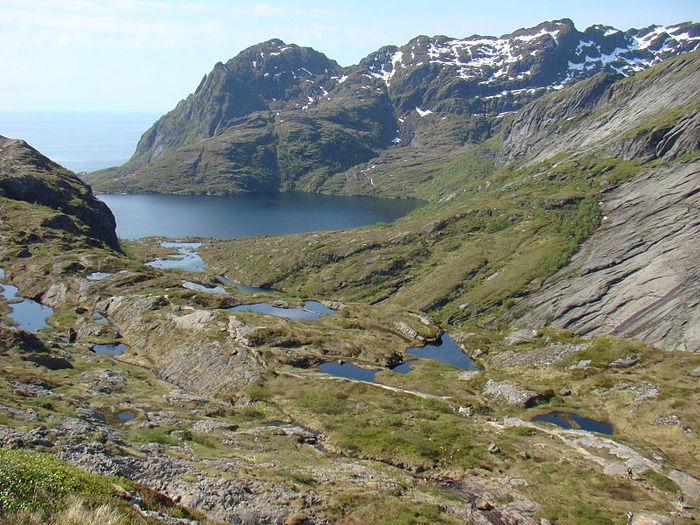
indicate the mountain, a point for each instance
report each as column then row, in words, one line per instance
column 604, row 171
column 28, row 176
column 566, row 243
column 281, row 117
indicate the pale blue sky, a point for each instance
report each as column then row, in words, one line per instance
column 146, row 55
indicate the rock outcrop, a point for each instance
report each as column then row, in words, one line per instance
column 27, row 175
column 504, row 392
column 638, row 276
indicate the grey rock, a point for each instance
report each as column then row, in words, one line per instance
column 671, row 420
column 510, row 394
column 583, row 363
column 638, row 275
column 524, row 335
column 538, row 357
column 333, row 305
column 646, row 518
column 482, row 504
column 468, row 375
column 493, row 448
column 210, row 367
column 625, row 362
column 196, row 320
column 466, row 411
column 695, row 372
column 642, row 389
column 434, row 226
column 689, row 485
column 405, row 330
column 565, row 392
column 90, row 414
column 55, row 295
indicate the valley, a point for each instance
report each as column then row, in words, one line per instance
column 557, row 250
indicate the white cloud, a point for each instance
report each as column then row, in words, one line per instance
column 264, row 9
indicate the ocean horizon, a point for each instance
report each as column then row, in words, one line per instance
column 81, row 141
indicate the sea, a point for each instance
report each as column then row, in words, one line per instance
column 79, row 141
column 88, row 141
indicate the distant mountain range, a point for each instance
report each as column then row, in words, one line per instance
column 280, row 117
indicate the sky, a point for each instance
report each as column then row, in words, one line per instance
column 146, row 55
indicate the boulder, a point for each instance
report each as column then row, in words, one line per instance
column 625, row 362
column 405, row 330
column 524, row 335
column 195, row 321
column 503, row 392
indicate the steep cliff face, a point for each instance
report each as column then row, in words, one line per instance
column 280, row 117
column 638, row 275
column 27, row 175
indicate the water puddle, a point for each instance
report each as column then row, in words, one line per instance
column 569, row 420
column 110, row 349
column 202, row 288
column 185, row 258
column 343, row 369
column 125, row 415
column 99, row 318
column 97, row 276
column 27, row 313
column 445, row 351
column 311, row 310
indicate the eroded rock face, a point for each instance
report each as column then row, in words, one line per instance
column 638, row 276
column 210, row 368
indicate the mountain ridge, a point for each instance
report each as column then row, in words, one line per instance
column 281, row 117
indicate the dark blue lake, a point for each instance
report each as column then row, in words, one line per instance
column 148, row 215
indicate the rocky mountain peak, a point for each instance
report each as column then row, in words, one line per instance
column 442, row 90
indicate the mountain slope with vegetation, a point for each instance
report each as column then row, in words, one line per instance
column 279, row 117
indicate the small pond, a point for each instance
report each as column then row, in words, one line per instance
column 185, row 258
column 125, row 415
column 27, row 313
column 196, row 287
column 311, row 310
column 403, row 368
column 343, row 369
column 445, row 351
column 110, row 349
column 99, row 318
column 569, row 420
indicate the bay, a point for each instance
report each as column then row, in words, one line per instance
column 178, row 216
